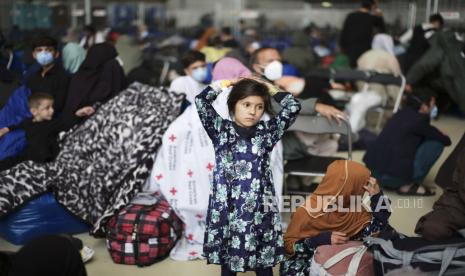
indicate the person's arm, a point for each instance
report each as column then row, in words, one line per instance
column 305, row 248
column 211, row 120
column 380, row 209
column 432, row 133
column 405, row 38
column 285, row 118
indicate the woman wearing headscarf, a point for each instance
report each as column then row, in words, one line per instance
column 73, row 54
column 130, row 52
column 316, row 223
column 380, row 59
column 99, row 79
column 227, row 67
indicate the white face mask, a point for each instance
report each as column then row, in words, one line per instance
column 274, row 70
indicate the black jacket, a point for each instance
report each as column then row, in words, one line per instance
column 394, row 150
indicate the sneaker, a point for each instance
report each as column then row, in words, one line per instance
column 86, row 253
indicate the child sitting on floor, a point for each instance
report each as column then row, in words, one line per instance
column 41, row 131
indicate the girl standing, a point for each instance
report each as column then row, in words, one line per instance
column 243, row 233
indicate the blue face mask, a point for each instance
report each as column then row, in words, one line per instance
column 44, row 58
column 200, row 74
column 434, row 112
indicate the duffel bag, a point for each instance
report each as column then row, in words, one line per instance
column 142, row 235
column 408, row 253
column 350, row 259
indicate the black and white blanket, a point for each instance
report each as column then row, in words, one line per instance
column 103, row 162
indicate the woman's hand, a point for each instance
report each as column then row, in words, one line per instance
column 338, row 238
column 373, row 187
column 85, row 111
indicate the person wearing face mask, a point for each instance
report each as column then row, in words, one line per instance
column 266, row 63
column 407, row 148
column 196, row 72
column 52, row 77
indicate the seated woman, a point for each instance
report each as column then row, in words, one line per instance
column 312, row 225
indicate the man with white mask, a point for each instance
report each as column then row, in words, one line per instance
column 266, row 62
column 196, row 72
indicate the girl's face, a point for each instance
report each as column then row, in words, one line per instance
column 249, row 110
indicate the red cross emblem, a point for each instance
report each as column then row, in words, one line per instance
column 173, row 191
column 193, row 253
column 172, row 138
column 158, row 177
column 210, row 166
column 190, row 237
column 190, row 173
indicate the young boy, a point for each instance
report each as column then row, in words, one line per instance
column 196, row 72
column 51, row 78
column 41, row 131
column 408, row 147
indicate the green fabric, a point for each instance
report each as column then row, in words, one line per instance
column 73, row 55
column 129, row 52
column 442, row 67
column 341, row 61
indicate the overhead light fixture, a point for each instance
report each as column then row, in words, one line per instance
column 326, row 4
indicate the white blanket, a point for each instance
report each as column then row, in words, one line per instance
column 183, row 171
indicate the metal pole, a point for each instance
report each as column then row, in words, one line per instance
column 73, row 7
column 436, row 6
column 428, row 10
column 141, row 13
column 412, row 15
column 88, row 12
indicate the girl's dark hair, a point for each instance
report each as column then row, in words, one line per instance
column 245, row 88
column 419, row 97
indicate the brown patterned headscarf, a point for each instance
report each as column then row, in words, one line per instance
column 343, row 178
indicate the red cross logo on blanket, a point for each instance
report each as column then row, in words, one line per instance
column 158, row 177
column 173, row 191
column 210, row 166
column 193, row 253
column 190, row 237
column 172, row 138
column 190, row 173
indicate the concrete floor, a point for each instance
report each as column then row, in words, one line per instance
column 406, row 211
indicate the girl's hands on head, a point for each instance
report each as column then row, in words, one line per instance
column 272, row 89
column 338, row 237
column 372, row 187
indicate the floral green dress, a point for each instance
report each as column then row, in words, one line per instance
column 243, row 229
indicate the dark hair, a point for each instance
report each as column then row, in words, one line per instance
column 367, row 4
column 46, row 41
column 254, row 56
column 419, row 97
column 245, row 88
column 190, row 57
column 437, row 17
column 226, row 30
column 90, row 29
column 37, row 97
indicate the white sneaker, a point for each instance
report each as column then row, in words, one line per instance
column 86, row 253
